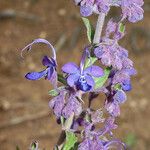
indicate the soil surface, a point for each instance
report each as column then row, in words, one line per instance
column 24, row 112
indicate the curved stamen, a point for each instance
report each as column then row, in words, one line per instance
column 29, row 46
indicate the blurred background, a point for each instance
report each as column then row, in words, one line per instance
column 24, row 111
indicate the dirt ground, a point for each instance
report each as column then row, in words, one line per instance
column 24, row 112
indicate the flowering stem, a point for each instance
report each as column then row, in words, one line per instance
column 99, row 27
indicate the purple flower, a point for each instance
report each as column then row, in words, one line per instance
column 112, row 55
column 123, row 78
column 64, row 105
column 120, row 96
column 113, row 108
column 132, row 10
column 97, row 117
column 72, row 106
column 58, row 103
column 93, row 143
column 109, row 125
column 82, row 78
column 50, row 64
column 88, row 7
column 103, row 6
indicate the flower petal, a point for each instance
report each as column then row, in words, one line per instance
column 54, row 79
column 113, row 108
column 126, row 86
column 83, row 85
column 36, row 75
column 90, row 80
column 86, row 10
column 94, row 71
column 72, row 106
column 46, row 61
column 70, row 68
column 57, row 103
column 120, row 96
column 72, row 79
column 50, row 71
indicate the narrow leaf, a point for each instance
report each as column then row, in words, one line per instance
column 71, row 140
column 99, row 82
column 90, row 29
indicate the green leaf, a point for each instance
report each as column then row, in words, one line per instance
column 75, row 146
column 90, row 29
column 122, row 27
column 99, row 82
column 71, row 140
column 55, row 92
column 90, row 61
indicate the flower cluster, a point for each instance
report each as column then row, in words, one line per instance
column 104, row 67
column 131, row 9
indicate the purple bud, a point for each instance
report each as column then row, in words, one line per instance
column 120, row 96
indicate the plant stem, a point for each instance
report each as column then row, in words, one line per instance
column 99, row 27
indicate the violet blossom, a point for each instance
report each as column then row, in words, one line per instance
column 131, row 9
column 50, row 64
column 82, row 78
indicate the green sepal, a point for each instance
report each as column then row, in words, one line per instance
column 121, row 27
column 62, row 79
column 117, row 87
column 99, row 82
column 90, row 29
column 90, row 61
column 55, row 92
column 71, row 140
